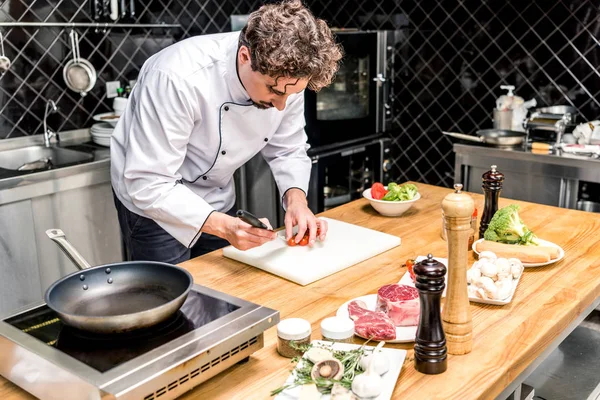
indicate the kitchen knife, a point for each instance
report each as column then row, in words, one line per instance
column 251, row 219
column 123, row 9
column 132, row 9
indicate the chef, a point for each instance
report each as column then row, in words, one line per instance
column 203, row 107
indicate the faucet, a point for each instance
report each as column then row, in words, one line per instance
column 49, row 133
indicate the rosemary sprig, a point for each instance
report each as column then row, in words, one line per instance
column 350, row 359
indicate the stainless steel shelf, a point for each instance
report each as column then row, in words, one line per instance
column 97, row 25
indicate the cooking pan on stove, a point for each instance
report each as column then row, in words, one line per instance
column 496, row 137
column 119, row 297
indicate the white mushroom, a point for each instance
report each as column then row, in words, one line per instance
column 487, row 255
column 516, row 267
column 316, row 354
column 503, row 266
column 473, row 275
column 504, row 288
column 488, row 286
column 489, row 269
column 504, row 276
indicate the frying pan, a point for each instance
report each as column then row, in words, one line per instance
column 497, row 137
column 116, row 298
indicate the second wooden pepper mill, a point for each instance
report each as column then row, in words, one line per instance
column 492, row 186
column 456, row 317
column 430, row 343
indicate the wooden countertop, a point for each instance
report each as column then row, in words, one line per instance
column 506, row 338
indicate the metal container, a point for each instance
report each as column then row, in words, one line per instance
column 503, row 119
column 590, row 206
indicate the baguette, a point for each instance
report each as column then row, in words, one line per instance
column 527, row 254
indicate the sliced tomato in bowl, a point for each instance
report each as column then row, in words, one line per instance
column 378, row 191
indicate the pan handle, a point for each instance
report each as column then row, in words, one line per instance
column 60, row 239
column 464, row 136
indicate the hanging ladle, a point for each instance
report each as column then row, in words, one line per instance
column 4, row 61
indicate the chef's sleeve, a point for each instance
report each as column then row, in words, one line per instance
column 164, row 114
column 286, row 150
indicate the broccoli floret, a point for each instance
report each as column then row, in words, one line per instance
column 408, row 191
column 507, row 227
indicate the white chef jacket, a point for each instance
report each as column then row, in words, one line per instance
column 188, row 125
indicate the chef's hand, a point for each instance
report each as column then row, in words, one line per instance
column 299, row 214
column 240, row 234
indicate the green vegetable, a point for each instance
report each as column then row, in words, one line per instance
column 350, row 359
column 507, row 227
column 400, row 193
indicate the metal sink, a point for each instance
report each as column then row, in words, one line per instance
column 35, row 158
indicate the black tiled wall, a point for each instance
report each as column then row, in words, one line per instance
column 455, row 55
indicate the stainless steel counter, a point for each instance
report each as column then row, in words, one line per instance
column 551, row 179
column 15, row 185
column 76, row 198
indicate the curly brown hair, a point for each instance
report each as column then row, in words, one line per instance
column 286, row 39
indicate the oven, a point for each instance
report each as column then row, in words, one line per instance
column 338, row 176
column 358, row 100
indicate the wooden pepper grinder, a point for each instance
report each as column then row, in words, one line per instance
column 492, row 186
column 430, row 343
column 456, row 317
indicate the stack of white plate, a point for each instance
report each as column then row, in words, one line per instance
column 101, row 133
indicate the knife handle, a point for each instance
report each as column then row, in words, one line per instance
column 123, row 9
column 251, row 219
column 132, row 9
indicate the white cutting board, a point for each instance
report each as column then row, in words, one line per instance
column 345, row 245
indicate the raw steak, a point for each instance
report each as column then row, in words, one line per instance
column 400, row 303
column 371, row 324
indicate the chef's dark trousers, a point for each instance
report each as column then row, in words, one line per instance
column 145, row 240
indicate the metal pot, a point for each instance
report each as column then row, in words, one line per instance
column 495, row 137
column 118, row 297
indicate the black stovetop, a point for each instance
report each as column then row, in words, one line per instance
column 106, row 351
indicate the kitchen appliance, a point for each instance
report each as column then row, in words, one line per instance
column 549, row 124
column 346, row 244
column 117, row 297
column 358, row 102
column 338, row 176
column 495, row 137
column 210, row 333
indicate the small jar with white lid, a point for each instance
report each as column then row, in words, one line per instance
column 337, row 329
column 295, row 330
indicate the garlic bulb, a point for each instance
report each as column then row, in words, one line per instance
column 369, row 383
column 380, row 361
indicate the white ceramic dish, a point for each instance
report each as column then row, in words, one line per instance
column 101, row 141
column 390, row 208
column 112, row 121
column 406, row 280
column 395, row 356
column 404, row 334
column 561, row 253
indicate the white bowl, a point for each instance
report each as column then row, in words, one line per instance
column 108, row 117
column 390, row 208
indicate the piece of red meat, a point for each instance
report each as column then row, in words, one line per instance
column 400, row 303
column 371, row 324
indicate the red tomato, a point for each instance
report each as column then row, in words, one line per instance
column 292, row 242
column 304, row 241
column 378, row 191
column 410, row 266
